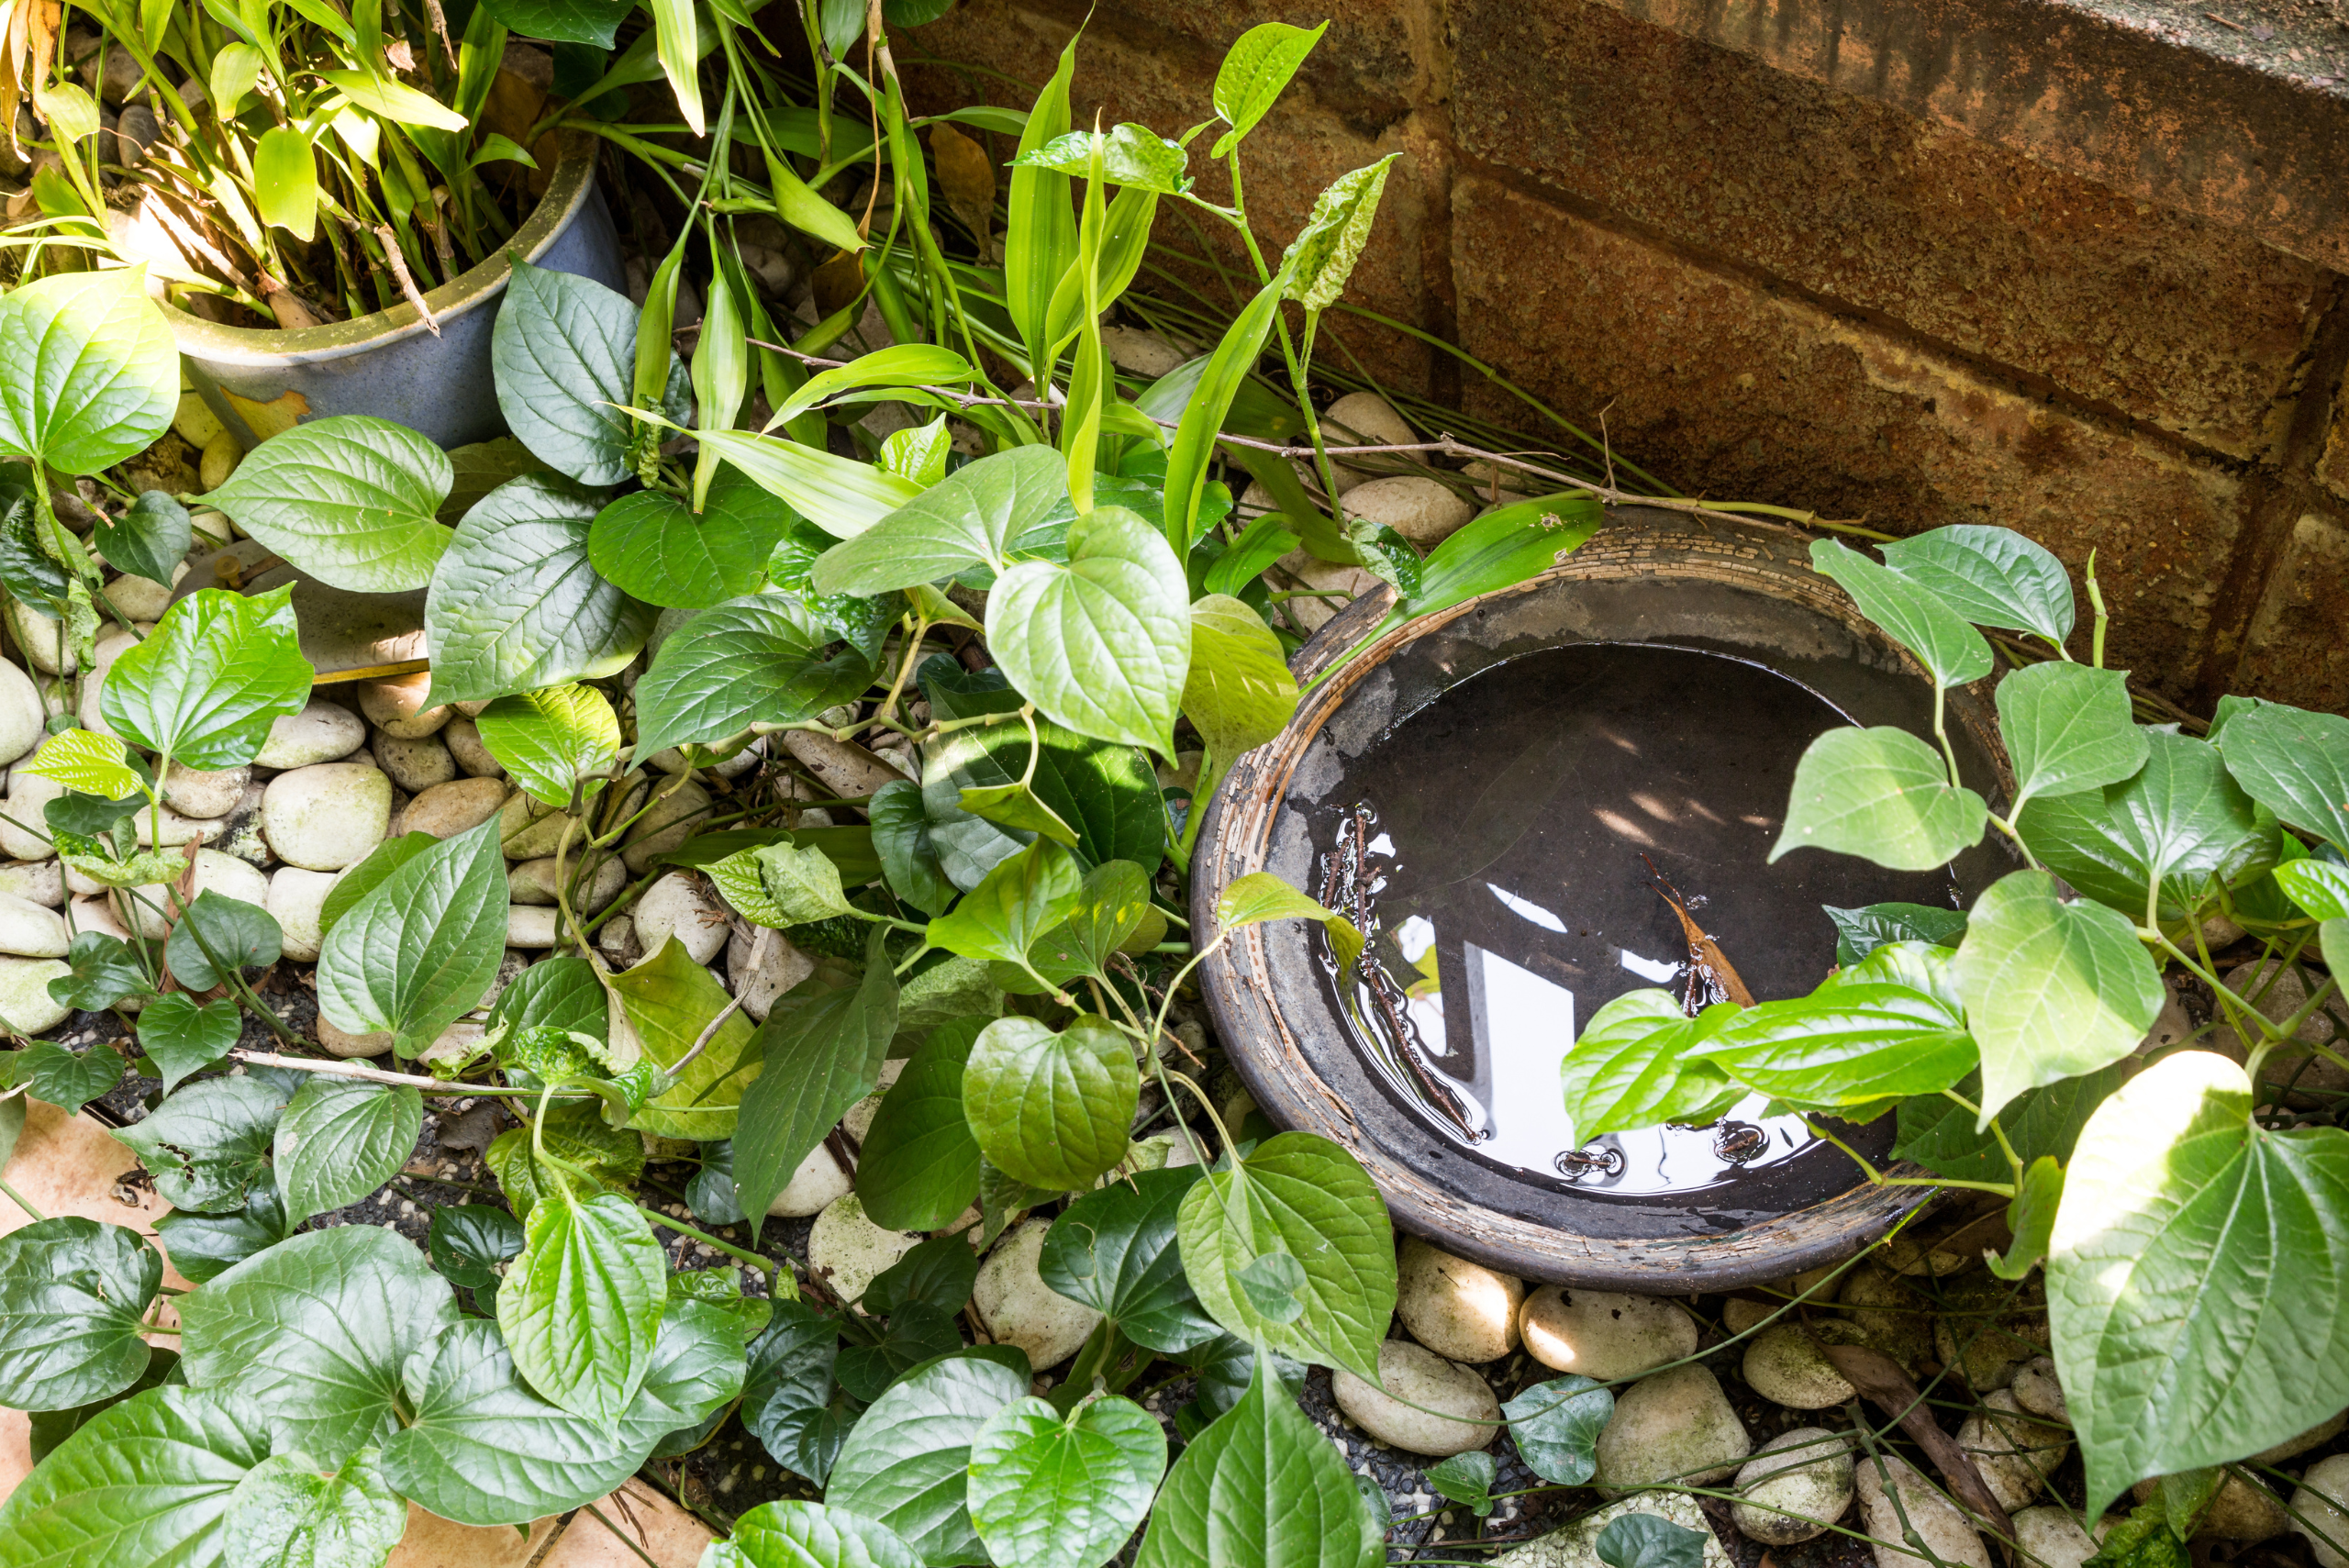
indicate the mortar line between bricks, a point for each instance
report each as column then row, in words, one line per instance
column 2096, row 413
column 2277, row 494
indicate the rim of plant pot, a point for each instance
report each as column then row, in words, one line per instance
column 569, row 188
column 1264, row 989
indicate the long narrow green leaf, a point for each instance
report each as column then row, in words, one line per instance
column 840, row 497
column 1194, row 447
column 680, row 55
column 1039, row 243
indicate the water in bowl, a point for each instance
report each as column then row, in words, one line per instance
column 1503, row 848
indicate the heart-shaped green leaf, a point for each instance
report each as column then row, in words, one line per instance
column 72, row 1292
column 1019, row 901
column 1634, row 1065
column 1049, row 1110
column 2178, row 820
column 564, row 353
column 217, row 935
column 1103, row 644
column 2051, row 989
column 906, row 1466
column 420, row 949
column 150, row 540
column 205, row 687
column 284, row 1512
column 2198, row 1278
column 1882, row 794
column 339, row 1141
column 919, row 1166
column 315, row 1331
column 546, row 739
column 759, row 658
column 2068, row 728
column 208, row 1143
column 969, row 518
column 1650, row 1540
column 1063, row 1491
column 1307, row 1196
column 182, row 1036
column 2296, row 764
column 790, row 1401
column 514, row 604
column 1239, row 694
column 792, row 1534
column 1848, row 1044
column 653, row 545
column 145, row 1481
column 1556, row 1425
column 89, row 376
column 349, row 499
column 1918, row 620
column 1114, row 1249
column 580, row 1308
column 1992, row 576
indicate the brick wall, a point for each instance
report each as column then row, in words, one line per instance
column 2070, row 267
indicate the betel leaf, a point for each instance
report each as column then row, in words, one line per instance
column 1939, row 1134
column 1049, row 1110
column 2068, row 728
column 150, row 540
column 1466, row 1478
column 2031, row 1216
column 1017, row 807
column 1846, row 1044
column 339, row 1141
column 469, row 1240
column 2296, row 764
column 1112, row 908
column 315, row 1331
column 1103, row 644
column 145, row 1482
column 217, row 935
column 790, row 1401
column 561, row 992
column 86, row 762
column 1859, row 932
column 1556, row 1425
column 47, row 1429
column 1019, row 900
column 907, row 1465
column 1304, row 1196
column 2181, row 817
column 72, row 1292
column 88, row 372
column 420, row 949
column 1129, row 155
column 1063, row 1491
column 670, row 1000
column 103, row 972
column 1920, row 620
column 207, row 1144
column 969, row 518
column 546, row 739
column 909, row 858
column 285, row 1513
column 204, row 687
column 802, row 883
column 1992, row 576
column 1239, row 694
column 1650, row 1540
column 1882, row 794
column 1256, row 69
column 916, row 1332
column 349, row 499
column 918, row 1168
column 369, row 874
column 1260, row 1486
column 2053, row 989
column 481, row 1449
column 580, row 1308
column 1321, row 259
column 653, row 544
column 563, row 352
column 793, row 1534
column 1637, row 1064
column 182, row 1036
column 822, row 1054
column 69, row 1079
column 1114, row 1249
column 206, row 1246
column 2198, row 1278
column 761, row 658
column 514, row 604
column 1107, row 793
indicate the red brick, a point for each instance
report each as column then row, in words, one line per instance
column 2295, row 652
column 1731, row 390
column 2167, row 318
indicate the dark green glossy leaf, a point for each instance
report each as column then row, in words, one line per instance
column 1859, row 932
column 514, row 604
column 339, row 1141
column 790, row 1402
column 563, row 352
column 146, row 1482
column 760, row 658
column 916, row 1332
column 72, row 1295
column 919, row 1166
column 1650, row 1540
column 2296, row 764
column 469, row 1240
column 560, row 993
column 1107, row 794
column 1556, row 1425
column 421, row 948
column 1466, row 1478
column 652, row 545
column 822, row 1054
column 582, row 1305
column 206, row 1246
column 47, row 1430
column 910, row 859
column 907, row 1463
column 208, row 1143
column 182, row 1036
column 216, row 934
column 1939, row 1134
column 67, row 1078
column 363, row 878
column 315, row 1331
column 1114, row 1249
